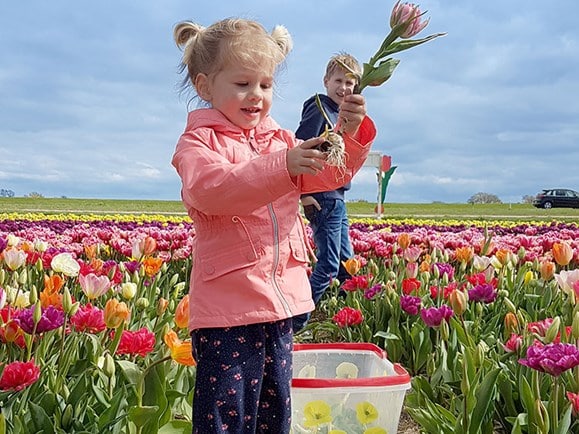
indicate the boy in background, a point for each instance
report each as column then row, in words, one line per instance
column 326, row 211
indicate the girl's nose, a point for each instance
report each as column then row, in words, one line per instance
column 256, row 93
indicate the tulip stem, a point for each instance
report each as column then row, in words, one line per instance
column 555, row 406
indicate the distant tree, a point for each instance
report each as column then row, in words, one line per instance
column 35, row 195
column 6, row 193
column 528, row 199
column 484, row 198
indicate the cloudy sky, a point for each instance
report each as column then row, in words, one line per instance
column 89, row 103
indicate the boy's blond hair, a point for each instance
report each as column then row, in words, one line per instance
column 345, row 58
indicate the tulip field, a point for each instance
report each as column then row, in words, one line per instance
column 482, row 314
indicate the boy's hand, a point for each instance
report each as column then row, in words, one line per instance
column 352, row 112
column 304, row 159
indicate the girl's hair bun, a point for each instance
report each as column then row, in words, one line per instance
column 282, row 37
column 186, row 31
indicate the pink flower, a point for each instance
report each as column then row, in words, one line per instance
column 355, row 283
column 348, row 316
column 94, row 286
column 19, row 375
column 88, row 319
column 553, row 359
column 574, row 400
column 513, row 344
column 407, row 14
column 140, row 343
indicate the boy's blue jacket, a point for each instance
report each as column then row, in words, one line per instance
column 313, row 124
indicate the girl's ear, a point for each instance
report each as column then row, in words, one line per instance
column 202, row 86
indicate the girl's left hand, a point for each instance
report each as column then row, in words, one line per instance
column 352, row 112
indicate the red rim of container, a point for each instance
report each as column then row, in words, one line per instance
column 401, row 377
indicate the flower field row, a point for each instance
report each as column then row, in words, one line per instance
column 93, row 321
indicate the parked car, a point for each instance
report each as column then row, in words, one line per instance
column 557, row 198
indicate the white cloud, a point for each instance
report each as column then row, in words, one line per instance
column 90, row 105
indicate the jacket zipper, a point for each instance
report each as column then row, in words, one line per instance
column 276, row 261
column 275, row 246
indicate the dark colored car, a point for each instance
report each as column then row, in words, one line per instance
column 557, row 198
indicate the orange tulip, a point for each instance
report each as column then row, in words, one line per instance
column 91, row 251
column 352, row 266
column 152, row 266
column 53, row 284
column 162, row 306
column 425, row 265
column 458, row 301
column 182, row 313
column 511, row 322
column 503, row 256
column 116, row 313
column 464, row 254
column 562, row 253
column 404, row 240
column 547, row 270
column 50, row 299
column 181, row 351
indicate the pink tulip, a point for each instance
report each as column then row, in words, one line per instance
column 407, row 14
column 94, row 286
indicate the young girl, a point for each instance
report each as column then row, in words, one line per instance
column 242, row 176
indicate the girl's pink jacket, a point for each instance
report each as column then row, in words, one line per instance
column 249, row 255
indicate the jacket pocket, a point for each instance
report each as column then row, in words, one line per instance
column 227, row 252
column 217, row 264
column 297, row 243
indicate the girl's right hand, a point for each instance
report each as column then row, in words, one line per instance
column 304, row 159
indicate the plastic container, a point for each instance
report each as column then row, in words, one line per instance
column 346, row 386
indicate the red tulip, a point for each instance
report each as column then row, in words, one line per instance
column 19, row 375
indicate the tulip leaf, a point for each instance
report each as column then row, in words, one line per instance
column 526, row 396
column 154, row 396
column 142, row 415
column 130, row 370
column 40, row 420
column 484, row 399
column 109, row 416
column 405, row 44
column 78, row 390
column 377, row 75
column 176, row 427
column 386, row 335
column 565, row 422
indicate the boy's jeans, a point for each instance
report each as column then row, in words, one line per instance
column 330, row 228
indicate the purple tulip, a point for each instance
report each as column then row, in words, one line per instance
column 370, row 293
column 554, row 358
column 433, row 316
column 445, row 268
column 132, row 266
column 51, row 319
column 410, row 304
column 3, row 244
column 485, row 293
